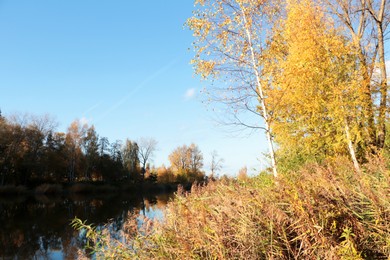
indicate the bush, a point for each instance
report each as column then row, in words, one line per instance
column 165, row 175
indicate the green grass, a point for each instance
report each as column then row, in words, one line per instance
column 319, row 212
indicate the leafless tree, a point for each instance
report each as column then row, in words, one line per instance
column 146, row 149
column 216, row 163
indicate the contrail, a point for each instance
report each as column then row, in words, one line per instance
column 136, row 89
column 91, row 108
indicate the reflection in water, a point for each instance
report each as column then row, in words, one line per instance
column 38, row 227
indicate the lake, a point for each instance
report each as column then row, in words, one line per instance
column 38, row 227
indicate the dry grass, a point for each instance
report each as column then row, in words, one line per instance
column 103, row 246
column 320, row 212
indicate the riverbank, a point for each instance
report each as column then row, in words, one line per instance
column 322, row 211
column 90, row 188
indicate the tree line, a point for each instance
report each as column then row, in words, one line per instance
column 33, row 152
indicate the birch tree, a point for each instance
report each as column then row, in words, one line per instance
column 366, row 24
column 230, row 40
column 313, row 85
column 73, row 141
column 216, row 163
column 146, row 149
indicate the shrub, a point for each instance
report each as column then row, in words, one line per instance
column 243, row 174
column 165, row 175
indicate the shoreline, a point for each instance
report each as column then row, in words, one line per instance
column 90, row 188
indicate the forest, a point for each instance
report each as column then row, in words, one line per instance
column 33, row 153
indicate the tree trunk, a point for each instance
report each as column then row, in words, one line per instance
column 351, row 149
column 261, row 95
column 383, row 89
column 368, row 111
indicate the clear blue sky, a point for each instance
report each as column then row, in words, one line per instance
column 122, row 66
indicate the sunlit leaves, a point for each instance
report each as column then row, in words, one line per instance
column 229, row 43
column 313, row 87
column 290, row 63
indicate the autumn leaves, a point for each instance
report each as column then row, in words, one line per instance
column 299, row 60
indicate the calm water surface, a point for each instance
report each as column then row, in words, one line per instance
column 38, row 227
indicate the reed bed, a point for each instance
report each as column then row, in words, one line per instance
column 319, row 212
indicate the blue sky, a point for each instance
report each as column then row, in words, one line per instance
column 122, row 66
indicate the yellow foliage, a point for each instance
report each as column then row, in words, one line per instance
column 204, row 68
column 242, row 174
column 165, row 175
column 313, row 88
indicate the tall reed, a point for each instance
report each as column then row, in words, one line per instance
column 320, row 212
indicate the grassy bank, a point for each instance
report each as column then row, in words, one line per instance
column 320, row 212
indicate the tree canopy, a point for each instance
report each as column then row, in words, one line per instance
column 314, row 71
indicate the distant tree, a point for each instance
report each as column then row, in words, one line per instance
column 216, row 163
column 90, row 144
column 104, row 146
column 21, row 150
column 130, row 157
column 116, row 168
column 186, row 162
column 195, row 158
column 33, row 145
column 179, row 159
column 4, row 142
column 45, row 124
column 55, row 157
column 146, row 149
column 116, row 148
column 11, row 152
column 73, row 142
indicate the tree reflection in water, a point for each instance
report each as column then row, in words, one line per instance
column 39, row 227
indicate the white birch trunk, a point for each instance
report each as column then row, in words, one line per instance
column 351, row 149
column 261, row 94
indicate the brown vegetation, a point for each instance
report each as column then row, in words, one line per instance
column 319, row 212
